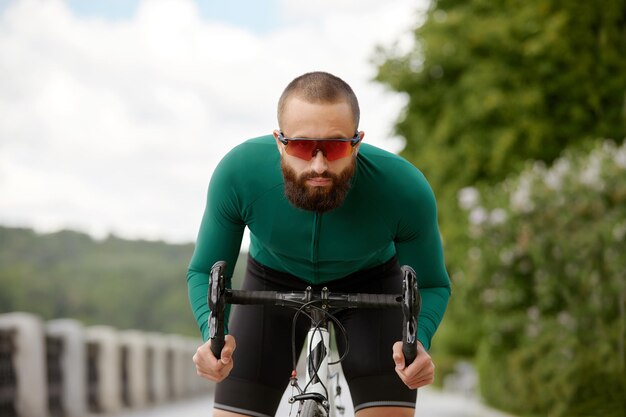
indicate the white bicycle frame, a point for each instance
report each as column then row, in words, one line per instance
column 319, row 386
column 318, row 376
column 318, row 340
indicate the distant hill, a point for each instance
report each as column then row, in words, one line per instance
column 122, row 283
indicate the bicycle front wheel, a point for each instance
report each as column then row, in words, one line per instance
column 311, row 408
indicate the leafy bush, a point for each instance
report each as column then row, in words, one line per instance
column 546, row 276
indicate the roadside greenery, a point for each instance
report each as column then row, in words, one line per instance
column 545, row 276
column 117, row 282
column 492, row 85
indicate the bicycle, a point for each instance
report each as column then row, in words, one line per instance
column 314, row 399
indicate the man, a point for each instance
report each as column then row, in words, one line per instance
column 329, row 211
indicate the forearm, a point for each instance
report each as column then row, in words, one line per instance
column 215, row 243
column 434, row 304
column 197, row 288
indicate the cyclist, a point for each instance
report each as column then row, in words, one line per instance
column 323, row 209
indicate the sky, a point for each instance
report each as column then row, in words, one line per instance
column 114, row 113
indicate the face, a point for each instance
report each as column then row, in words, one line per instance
column 319, row 184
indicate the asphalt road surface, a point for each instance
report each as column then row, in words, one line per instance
column 430, row 403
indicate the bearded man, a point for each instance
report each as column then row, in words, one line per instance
column 323, row 209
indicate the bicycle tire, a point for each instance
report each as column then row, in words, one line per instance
column 311, row 408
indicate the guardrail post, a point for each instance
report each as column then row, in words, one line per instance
column 29, row 363
column 157, row 375
column 104, row 369
column 8, row 377
column 134, row 368
column 72, row 366
column 177, row 367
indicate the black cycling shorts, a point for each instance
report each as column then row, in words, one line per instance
column 263, row 357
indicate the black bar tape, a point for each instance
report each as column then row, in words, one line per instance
column 377, row 300
column 251, row 297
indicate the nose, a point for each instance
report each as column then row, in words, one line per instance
column 319, row 164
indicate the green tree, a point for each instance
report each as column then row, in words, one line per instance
column 122, row 283
column 493, row 83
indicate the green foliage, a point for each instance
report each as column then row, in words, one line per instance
column 490, row 85
column 125, row 284
column 493, row 83
column 545, row 274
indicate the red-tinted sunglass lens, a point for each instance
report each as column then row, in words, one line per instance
column 302, row 149
column 332, row 149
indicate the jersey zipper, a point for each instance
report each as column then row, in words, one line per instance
column 317, row 220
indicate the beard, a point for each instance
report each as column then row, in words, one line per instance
column 319, row 199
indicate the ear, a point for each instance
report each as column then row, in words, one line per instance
column 280, row 146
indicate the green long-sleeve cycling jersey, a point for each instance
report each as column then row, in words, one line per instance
column 389, row 210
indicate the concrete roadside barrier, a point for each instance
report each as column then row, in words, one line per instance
column 134, row 377
column 67, row 370
column 24, row 338
column 156, row 368
column 104, row 370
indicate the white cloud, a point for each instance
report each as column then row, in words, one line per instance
column 117, row 125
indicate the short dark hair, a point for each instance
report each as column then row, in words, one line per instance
column 320, row 87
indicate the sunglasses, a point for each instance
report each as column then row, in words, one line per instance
column 306, row 148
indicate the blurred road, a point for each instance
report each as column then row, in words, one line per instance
column 457, row 401
column 430, row 403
